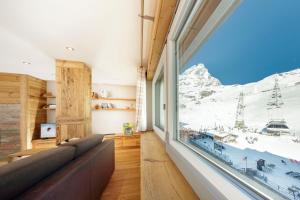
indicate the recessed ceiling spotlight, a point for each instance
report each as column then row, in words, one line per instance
column 26, row 63
column 70, row 48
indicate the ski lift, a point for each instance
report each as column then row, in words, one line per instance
column 276, row 127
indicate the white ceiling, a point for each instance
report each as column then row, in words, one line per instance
column 104, row 33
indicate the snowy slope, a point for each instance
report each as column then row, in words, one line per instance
column 205, row 102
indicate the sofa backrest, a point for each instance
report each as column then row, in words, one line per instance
column 84, row 178
column 19, row 176
column 85, row 144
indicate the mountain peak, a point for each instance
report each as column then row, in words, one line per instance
column 199, row 76
column 198, row 70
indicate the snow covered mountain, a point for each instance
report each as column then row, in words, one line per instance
column 196, row 83
column 198, row 76
column 205, row 102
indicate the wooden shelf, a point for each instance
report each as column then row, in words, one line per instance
column 115, row 109
column 44, row 143
column 49, row 108
column 125, row 141
column 49, row 97
column 113, row 99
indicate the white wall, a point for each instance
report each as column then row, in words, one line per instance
column 14, row 50
column 105, row 122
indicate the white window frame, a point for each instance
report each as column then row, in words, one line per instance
column 207, row 180
column 160, row 71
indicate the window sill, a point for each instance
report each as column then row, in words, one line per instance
column 206, row 181
column 159, row 132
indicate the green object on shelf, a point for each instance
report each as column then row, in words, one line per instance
column 128, row 128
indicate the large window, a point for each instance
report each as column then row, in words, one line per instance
column 238, row 91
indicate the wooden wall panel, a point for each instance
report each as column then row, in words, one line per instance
column 36, row 115
column 164, row 13
column 9, row 129
column 24, row 108
column 9, row 88
column 26, row 91
column 73, row 106
column 87, row 101
column 68, row 131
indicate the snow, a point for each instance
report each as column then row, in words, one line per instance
column 218, row 109
column 205, row 104
column 277, row 178
column 216, row 133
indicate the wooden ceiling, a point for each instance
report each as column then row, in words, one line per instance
column 165, row 11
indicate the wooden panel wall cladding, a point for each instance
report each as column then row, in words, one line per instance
column 22, row 94
column 36, row 88
column 73, row 99
column 164, row 13
column 9, row 129
column 10, row 88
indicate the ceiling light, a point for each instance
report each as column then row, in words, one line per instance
column 70, row 48
column 26, row 63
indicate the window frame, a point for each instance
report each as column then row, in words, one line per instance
column 182, row 19
column 160, row 73
column 159, row 100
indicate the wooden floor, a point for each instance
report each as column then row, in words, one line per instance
column 160, row 178
column 149, row 175
column 125, row 181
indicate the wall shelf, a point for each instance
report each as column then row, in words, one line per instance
column 115, row 109
column 113, row 99
column 45, row 107
column 50, row 97
column 49, row 108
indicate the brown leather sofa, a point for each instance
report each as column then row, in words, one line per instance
column 78, row 170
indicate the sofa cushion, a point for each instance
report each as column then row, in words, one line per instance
column 84, row 178
column 85, row 144
column 19, row 176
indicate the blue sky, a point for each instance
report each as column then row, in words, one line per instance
column 260, row 38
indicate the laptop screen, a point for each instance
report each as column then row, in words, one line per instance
column 48, row 130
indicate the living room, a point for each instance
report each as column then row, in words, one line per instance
column 149, row 99
column 72, row 110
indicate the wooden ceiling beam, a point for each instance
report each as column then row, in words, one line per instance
column 163, row 17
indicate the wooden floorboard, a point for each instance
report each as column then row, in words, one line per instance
column 126, row 179
column 147, row 173
column 160, row 178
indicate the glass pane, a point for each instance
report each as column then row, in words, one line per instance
column 239, row 95
column 159, row 102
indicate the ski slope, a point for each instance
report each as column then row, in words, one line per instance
column 219, row 107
